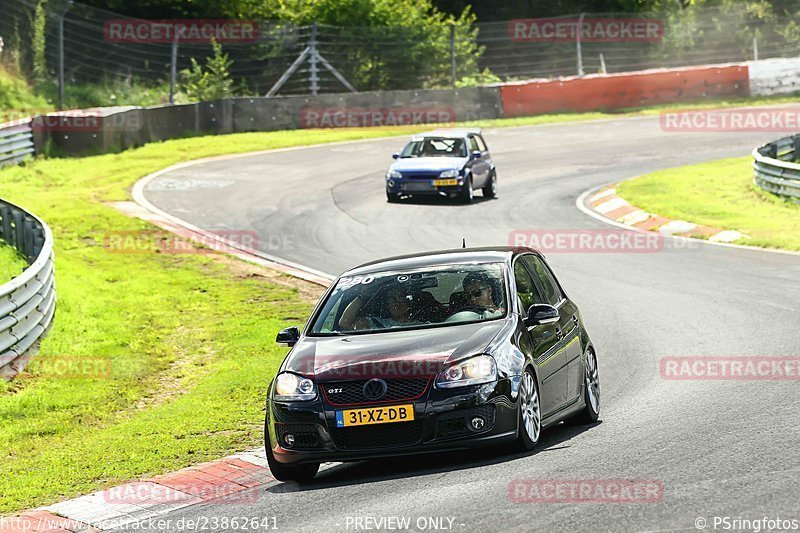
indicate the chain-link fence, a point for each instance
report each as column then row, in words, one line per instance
column 102, row 49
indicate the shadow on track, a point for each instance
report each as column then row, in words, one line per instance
column 553, row 439
column 441, row 201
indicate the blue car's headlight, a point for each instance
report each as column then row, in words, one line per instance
column 394, row 175
column 450, row 173
column 291, row 387
column 472, row 371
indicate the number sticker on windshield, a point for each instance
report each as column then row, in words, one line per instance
column 356, row 280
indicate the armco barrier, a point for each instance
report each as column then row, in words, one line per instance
column 776, row 167
column 618, row 91
column 27, row 302
column 16, row 142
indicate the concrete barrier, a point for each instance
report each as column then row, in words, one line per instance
column 619, row 91
column 122, row 128
column 774, row 76
column 109, row 130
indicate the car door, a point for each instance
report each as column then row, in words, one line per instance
column 568, row 323
column 479, row 167
column 541, row 344
column 487, row 157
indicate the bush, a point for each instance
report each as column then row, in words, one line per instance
column 210, row 83
column 487, row 77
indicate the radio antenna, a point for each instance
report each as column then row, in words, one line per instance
column 464, row 242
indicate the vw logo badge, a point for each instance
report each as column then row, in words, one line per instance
column 374, row 389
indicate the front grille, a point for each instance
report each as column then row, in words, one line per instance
column 306, row 436
column 416, row 187
column 378, row 436
column 352, row 391
column 457, row 423
column 420, row 176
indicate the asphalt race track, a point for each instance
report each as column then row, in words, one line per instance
column 720, row 448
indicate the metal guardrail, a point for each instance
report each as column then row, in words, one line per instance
column 16, row 143
column 776, row 167
column 27, row 302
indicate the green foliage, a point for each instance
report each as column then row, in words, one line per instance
column 487, row 77
column 114, row 91
column 384, row 44
column 17, row 96
column 38, row 44
column 12, row 263
column 209, row 83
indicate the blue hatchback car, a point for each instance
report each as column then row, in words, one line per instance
column 450, row 163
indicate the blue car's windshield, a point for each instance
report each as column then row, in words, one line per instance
column 435, row 147
column 446, row 294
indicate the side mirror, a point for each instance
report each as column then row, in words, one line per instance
column 288, row 336
column 540, row 314
column 396, row 155
column 476, row 154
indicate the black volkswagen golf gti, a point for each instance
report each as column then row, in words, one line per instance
column 430, row 352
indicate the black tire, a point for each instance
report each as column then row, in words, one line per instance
column 524, row 441
column 299, row 473
column 589, row 414
column 466, row 195
column 490, row 191
column 392, row 197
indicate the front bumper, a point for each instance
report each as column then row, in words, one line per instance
column 419, row 186
column 441, row 423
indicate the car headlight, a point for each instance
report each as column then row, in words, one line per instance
column 291, row 387
column 450, row 173
column 393, row 174
column 472, row 371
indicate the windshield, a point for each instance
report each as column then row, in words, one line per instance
column 448, row 294
column 435, row 147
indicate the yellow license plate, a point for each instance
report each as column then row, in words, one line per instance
column 375, row 415
column 439, row 183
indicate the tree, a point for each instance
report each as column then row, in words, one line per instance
column 210, row 83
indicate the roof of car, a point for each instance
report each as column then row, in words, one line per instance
column 450, row 132
column 489, row 254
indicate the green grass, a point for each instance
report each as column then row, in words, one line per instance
column 11, row 263
column 188, row 338
column 719, row 194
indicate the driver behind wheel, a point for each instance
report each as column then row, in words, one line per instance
column 398, row 302
column 480, row 294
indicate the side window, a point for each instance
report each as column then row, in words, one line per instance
column 481, row 144
column 526, row 289
column 473, row 145
column 552, row 294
